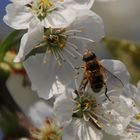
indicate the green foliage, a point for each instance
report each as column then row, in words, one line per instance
column 128, row 52
column 9, row 123
column 7, row 54
column 8, row 42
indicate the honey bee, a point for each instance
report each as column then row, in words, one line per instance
column 96, row 75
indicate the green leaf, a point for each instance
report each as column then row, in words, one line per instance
column 7, row 43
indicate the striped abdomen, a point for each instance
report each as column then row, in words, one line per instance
column 97, row 81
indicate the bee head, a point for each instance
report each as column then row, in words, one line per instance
column 88, row 55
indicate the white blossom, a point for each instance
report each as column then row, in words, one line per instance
column 93, row 112
column 112, row 117
column 48, row 13
column 45, row 125
column 132, row 132
column 67, row 52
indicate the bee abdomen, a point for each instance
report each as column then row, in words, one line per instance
column 97, row 87
column 97, row 83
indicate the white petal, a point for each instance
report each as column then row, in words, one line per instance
column 110, row 137
column 18, row 16
column 68, row 132
column 37, row 70
column 29, row 40
column 63, row 107
column 86, row 131
column 130, row 90
column 22, row 48
column 91, row 26
column 130, row 137
column 133, row 92
column 39, row 112
column 60, row 18
column 117, row 68
column 78, row 4
column 134, row 132
column 21, row 2
column 119, row 112
column 44, row 76
column 41, row 75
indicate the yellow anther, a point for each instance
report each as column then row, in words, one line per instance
column 78, row 105
column 138, row 117
column 62, row 45
column 87, row 105
column 61, row 0
column 48, row 131
column 46, row 3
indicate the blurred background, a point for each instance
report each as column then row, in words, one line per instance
column 121, row 18
column 122, row 28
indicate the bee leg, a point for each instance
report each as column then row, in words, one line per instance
column 77, row 74
column 76, row 92
column 106, row 92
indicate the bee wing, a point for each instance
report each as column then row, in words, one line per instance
column 111, row 79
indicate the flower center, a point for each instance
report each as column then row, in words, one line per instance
column 59, row 43
column 54, row 38
column 53, row 42
column 49, row 131
column 88, row 109
column 41, row 8
column 85, row 105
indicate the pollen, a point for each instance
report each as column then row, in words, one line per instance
column 57, row 42
column 138, row 117
column 49, row 131
column 54, row 38
column 53, row 42
column 61, row 0
column 41, row 8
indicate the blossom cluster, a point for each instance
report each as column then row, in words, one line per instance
column 83, row 102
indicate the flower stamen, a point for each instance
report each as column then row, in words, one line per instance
column 75, row 51
column 55, row 42
column 83, row 38
column 69, row 62
column 88, row 109
column 46, row 56
column 49, row 131
column 72, row 31
column 72, row 45
column 40, row 8
column 69, row 52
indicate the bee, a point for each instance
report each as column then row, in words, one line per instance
column 96, row 75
